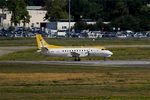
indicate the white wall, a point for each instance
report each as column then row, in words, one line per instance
column 91, row 23
column 37, row 16
column 64, row 25
column 6, row 22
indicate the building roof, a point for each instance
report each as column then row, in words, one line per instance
column 34, row 7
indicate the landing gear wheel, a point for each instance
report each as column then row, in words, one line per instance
column 79, row 59
column 75, row 59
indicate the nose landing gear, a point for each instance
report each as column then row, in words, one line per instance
column 105, row 59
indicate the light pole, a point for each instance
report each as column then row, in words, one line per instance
column 69, row 18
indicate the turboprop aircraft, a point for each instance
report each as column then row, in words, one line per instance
column 67, row 51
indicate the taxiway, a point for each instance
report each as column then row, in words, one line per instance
column 82, row 63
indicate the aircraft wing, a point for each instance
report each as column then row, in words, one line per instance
column 74, row 54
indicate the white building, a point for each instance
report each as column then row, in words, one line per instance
column 5, row 21
column 37, row 16
column 36, row 13
column 60, row 27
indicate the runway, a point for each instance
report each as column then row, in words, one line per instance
column 82, row 63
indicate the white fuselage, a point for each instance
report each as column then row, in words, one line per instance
column 75, row 52
column 83, row 52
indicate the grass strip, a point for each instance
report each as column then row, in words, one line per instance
column 119, row 54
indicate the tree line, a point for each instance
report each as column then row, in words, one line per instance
column 124, row 14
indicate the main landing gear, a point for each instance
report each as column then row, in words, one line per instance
column 76, row 56
column 77, row 59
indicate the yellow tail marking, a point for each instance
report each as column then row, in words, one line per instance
column 42, row 43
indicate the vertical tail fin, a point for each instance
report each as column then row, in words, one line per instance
column 40, row 41
column 43, row 44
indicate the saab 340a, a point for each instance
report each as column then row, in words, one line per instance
column 66, row 51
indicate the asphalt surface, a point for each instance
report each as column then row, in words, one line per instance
column 127, row 46
column 7, row 50
column 87, row 63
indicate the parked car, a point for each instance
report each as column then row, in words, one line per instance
column 140, row 35
column 109, row 34
column 148, row 34
column 122, row 36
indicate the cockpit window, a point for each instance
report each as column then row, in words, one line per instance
column 103, row 49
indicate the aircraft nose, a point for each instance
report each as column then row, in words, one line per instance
column 107, row 53
column 110, row 53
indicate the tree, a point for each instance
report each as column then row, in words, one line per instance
column 79, row 8
column 35, row 2
column 144, row 18
column 81, row 25
column 127, row 22
column 88, row 9
column 19, row 11
column 2, row 3
column 134, row 6
column 56, row 9
column 26, row 18
column 130, row 14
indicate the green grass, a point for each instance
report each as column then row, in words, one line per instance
column 119, row 54
column 73, row 42
column 54, row 82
